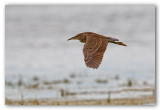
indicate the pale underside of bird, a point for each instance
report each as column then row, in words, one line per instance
column 94, row 47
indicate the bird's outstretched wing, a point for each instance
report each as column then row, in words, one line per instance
column 93, row 51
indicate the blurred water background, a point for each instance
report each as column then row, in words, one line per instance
column 41, row 63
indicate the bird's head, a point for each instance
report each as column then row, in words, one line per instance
column 81, row 37
column 77, row 37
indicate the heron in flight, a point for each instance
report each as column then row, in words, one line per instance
column 94, row 47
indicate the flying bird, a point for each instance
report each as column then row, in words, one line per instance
column 94, row 47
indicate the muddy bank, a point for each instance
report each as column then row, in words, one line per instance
column 147, row 100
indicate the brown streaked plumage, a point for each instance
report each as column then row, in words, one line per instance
column 94, row 48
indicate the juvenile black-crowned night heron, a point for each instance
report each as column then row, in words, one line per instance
column 94, row 48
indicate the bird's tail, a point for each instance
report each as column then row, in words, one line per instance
column 115, row 41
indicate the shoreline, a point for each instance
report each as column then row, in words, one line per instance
column 146, row 100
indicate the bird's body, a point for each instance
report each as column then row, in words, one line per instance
column 94, row 48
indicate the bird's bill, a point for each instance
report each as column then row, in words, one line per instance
column 72, row 38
